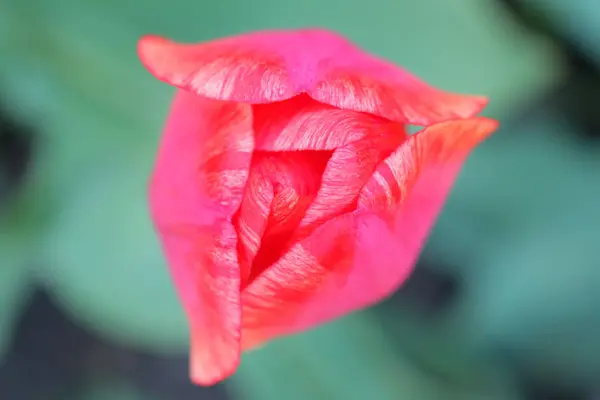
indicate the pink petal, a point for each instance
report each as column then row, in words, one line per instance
column 346, row 264
column 352, row 79
column 434, row 148
column 348, row 170
column 247, row 68
column 359, row 142
column 302, row 123
column 281, row 187
column 284, row 289
column 251, row 221
column 197, row 185
column 358, row 259
column 269, row 66
column 203, row 263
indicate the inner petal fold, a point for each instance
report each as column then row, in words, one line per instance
column 310, row 163
column 281, row 187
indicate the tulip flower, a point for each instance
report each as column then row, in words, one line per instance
column 287, row 191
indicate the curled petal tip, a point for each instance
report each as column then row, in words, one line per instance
column 466, row 106
column 148, row 44
column 481, row 101
column 456, row 138
column 484, row 126
column 201, row 377
column 211, row 365
column 150, row 49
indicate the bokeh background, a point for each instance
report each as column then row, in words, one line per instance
column 503, row 305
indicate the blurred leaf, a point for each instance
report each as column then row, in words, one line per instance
column 526, row 210
column 578, row 20
column 515, row 181
column 105, row 263
column 13, row 283
column 435, row 346
column 537, row 301
column 100, row 253
column 17, row 229
column 349, row 359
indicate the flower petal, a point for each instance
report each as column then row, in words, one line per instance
column 248, row 68
column 351, row 79
column 435, row 147
column 269, row 66
column 348, row 170
column 359, row 143
column 204, row 265
column 197, row 185
column 357, row 259
column 302, row 123
column 280, row 188
column 256, row 67
column 344, row 264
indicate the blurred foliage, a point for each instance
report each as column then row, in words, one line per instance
column 13, row 285
column 575, row 21
column 518, row 233
column 17, row 224
column 344, row 359
column 526, row 249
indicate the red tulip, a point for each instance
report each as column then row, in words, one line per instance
column 286, row 191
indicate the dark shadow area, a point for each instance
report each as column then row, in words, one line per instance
column 427, row 291
column 51, row 355
column 578, row 95
column 16, row 153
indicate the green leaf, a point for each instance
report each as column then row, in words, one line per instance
column 18, row 226
column 526, row 208
column 104, row 262
column 13, row 286
column 536, row 300
column 99, row 251
column 578, row 20
column 514, row 181
column 352, row 358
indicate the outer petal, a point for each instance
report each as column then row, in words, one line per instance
column 197, row 185
column 248, row 68
column 354, row 80
column 345, row 264
column 263, row 67
column 358, row 259
column 439, row 148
